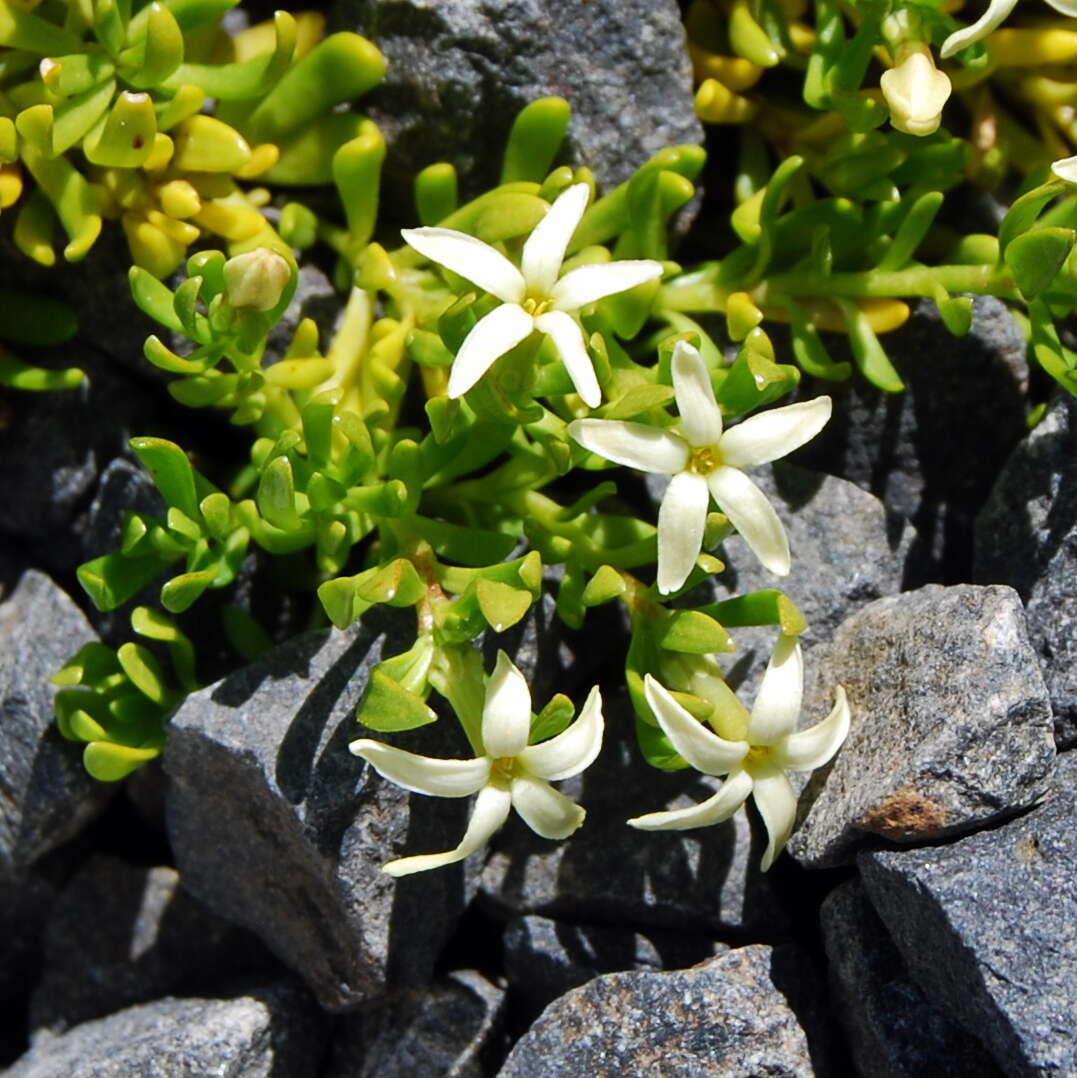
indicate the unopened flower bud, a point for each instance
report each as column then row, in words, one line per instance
column 915, row 90
column 256, row 280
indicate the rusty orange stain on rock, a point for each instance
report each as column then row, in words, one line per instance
column 905, row 816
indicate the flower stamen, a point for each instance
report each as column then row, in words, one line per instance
column 706, row 460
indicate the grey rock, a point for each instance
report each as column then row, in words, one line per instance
column 546, row 958
column 707, row 880
column 459, row 73
column 1026, row 536
column 730, row 1017
column 264, row 1033
column 891, row 1029
column 448, row 1029
column 932, row 452
column 120, row 935
column 847, row 549
column 276, row 826
column 54, row 446
column 986, row 927
column 45, row 794
column 951, row 725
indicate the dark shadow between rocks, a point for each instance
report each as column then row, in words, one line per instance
column 796, row 978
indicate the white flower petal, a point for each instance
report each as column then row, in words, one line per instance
column 647, row 449
column 472, row 259
column 752, row 515
column 701, row 419
column 772, row 434
column 545, row 810
column 996, row 12
column 588, row 284
column 490, row 338
column 573, row 749
column 682, row 518
column 423, row 774
column 545, row 248
column 777, row 804
column 699, row 745
column 777, row 704
column 1066, row 169
column 506, row 715
column 1067, row 7
column 568, row 340
column 811, row 748
column 490, row 812
column 720, row 806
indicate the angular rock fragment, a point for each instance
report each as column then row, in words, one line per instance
column 546, row 958
column 951, row 725
column 729, row 1017
column 891, row 1029
column 987, row 928
column 459, row 73
column 119, row 935
column 45, row 794
column 706, row 880
column 444, row 1030
column 277, row 827
column 1026, row 536
column 932, row 452
column 263, row 1033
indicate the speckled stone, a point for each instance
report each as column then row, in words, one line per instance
column 951, row 725
column 729, row 1017
column 986, row 926
column 1026, row 536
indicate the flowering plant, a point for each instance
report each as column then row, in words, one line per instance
column 447, row 451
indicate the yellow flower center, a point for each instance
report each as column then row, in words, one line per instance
column 502, row 768
column 704, row 461
column 536, row 305
column 757, row 754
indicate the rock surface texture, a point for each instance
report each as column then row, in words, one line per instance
column 892, row 1030
column 728, row 1017
column 932, row 452
column 45, row 795
column 986, row 926
column 447, row 1028
column 277, row 827
column 545, row 958
column 265, row 1033
column 1026, row 536
column 459, row 73
column 148, row 939
column 951, row 725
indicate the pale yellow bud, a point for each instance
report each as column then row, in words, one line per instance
column 256, row 280
column 915, row 90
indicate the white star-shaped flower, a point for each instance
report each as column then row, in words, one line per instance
column 511, row 773
column 996, row 12
column 755, row 765
column 533, row 297
column 706, row 462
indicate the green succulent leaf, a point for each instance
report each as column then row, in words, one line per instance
column 388, row 707
column 1037, row 256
